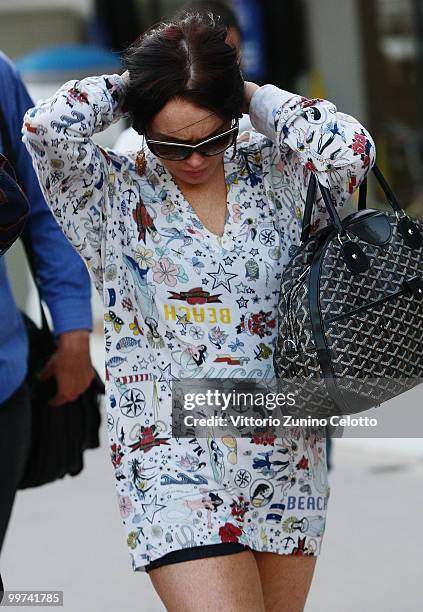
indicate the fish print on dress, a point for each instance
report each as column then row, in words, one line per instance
column 180, row 301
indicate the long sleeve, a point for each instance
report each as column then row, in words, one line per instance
column 61, row 274
column 77, row 176
column 307, row 136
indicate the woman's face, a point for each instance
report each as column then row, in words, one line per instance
column 181, row 121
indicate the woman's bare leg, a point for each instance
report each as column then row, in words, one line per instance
column 285, row 580
column 228, row 582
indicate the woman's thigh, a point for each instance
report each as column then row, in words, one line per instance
column 226, row 582
column 285, row 580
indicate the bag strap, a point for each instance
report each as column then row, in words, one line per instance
column 362, row 195
column 26, row 235
column 333, row 214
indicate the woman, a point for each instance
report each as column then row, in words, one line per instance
column 187, row 247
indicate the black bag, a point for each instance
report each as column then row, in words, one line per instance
column 59, row 434
column 14, row 206
column 351, row 309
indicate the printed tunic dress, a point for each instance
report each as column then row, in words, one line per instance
column 180, row 301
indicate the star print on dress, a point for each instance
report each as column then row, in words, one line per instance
column 166, row 374
column 242, row 302
column 241, row 288
column 221, row 278
column 182, row 320
column 151, row 509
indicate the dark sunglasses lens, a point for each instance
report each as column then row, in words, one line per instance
column 180, row 152
column 218, row 145
column 170, row 152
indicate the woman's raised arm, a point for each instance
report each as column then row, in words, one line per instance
column 77, row 176
column 309, row 135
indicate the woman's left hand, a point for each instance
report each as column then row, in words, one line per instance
column 249, row 90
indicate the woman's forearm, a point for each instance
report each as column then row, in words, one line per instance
column 78, row 109
column 74, row 173
column 325, row 141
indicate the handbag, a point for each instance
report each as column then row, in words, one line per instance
column 350, row 332
column 14, row 206
column 59, row 435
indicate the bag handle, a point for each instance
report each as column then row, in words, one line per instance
column 327, row 198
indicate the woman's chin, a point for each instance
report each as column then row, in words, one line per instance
column 195, row 175
column 194, row 178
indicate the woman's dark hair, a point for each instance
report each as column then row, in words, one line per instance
column 187, row 58
column 226, row 14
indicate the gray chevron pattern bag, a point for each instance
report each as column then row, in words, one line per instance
column 351, row 308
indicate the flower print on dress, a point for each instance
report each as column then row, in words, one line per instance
column 125, row 507
column 218, row 337
column 196, row 332
column 144, row 257
column 257, row 323
column 229, row 533
column 166, row 272
column 362, row 146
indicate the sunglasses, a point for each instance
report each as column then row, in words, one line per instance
column 176, row 151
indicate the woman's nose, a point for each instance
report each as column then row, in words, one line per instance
column 195, row 161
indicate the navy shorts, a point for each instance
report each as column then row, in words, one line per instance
column 197, row 552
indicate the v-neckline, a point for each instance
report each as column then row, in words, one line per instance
column 227, row 240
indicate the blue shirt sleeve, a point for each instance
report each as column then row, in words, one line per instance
column 61, row 274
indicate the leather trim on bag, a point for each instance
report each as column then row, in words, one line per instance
column 374, row 228
column 323, row 353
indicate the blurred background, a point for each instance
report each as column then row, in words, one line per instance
column 367, row 57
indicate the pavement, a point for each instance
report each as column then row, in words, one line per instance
column 67, row 536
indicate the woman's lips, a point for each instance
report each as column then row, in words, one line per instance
column 195, row 172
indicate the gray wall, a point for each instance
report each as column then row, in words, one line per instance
column 335, row 45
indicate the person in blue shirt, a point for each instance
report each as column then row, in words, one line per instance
column 65, row 287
